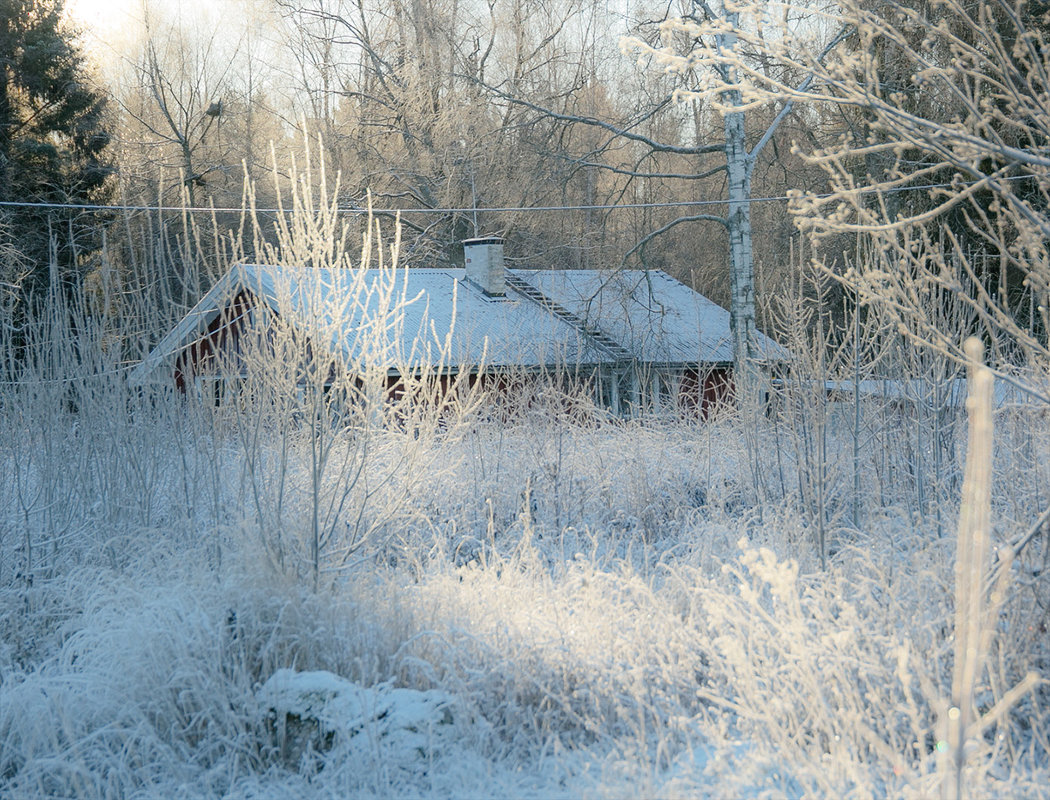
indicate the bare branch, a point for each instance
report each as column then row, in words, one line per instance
column 674, row 223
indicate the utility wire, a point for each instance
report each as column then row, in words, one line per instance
column 356, row 209
column 127, row 367
column 360, row 210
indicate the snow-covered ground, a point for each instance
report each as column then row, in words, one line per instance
column 537, row 608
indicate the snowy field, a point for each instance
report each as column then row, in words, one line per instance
column 550, row 606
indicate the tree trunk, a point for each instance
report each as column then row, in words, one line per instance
column 741, row 263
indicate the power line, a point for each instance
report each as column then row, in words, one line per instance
column 357, row 209
column 71, row 379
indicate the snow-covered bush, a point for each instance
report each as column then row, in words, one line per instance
column 312, row 712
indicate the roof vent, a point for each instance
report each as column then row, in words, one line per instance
column 483, row 259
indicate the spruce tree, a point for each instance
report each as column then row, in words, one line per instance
column 53, row 142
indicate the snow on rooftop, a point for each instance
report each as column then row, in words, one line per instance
column 647, row 312
column 408, row 315
column 420, row 309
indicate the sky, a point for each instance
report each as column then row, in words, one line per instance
column 102, row 17
column 112, row 27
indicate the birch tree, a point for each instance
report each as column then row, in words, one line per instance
column 704, row 48
column 976, row 151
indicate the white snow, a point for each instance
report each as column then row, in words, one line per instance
column 309, row 709
column 628, row 609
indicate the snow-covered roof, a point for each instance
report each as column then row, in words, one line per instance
column 649, row 313
column 412, row 313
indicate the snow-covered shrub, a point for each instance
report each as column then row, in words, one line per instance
column 312, row 712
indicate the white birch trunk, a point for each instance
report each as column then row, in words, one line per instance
column 741, row 262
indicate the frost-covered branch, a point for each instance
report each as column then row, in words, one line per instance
column 944, row 158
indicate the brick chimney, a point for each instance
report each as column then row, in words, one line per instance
column 483, row 259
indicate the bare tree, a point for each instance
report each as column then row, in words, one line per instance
column 183, row 84
column 705, row 47
column 977, row 152
column 396, row 90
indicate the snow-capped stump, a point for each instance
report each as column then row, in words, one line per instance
column 319, row 710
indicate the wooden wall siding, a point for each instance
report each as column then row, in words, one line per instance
column 223, row 336
column 703, row 392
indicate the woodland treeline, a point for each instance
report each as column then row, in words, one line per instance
column 432, row 105
column 732, row 146
column 439, row 105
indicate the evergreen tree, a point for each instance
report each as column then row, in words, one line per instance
column 53, row 142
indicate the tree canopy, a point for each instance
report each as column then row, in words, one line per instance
column 53, row 142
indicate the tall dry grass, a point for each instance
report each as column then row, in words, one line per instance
column 621, row 608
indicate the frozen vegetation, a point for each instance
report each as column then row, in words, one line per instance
column 551, row 604
column 299, row 584
column 293, row 582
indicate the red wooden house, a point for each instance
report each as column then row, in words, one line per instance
column 640, row 339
